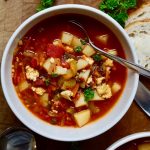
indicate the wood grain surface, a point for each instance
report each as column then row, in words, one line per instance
column 12, row 14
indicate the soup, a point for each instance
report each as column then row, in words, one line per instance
column 139, row 144
column 60, row 78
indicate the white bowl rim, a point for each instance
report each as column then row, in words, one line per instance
column 65, row 6
column 128, row 138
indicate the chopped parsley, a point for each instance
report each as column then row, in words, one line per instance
column 117, row 9
column 45, row 4
column 47, row 82
column 78, row 49
column 97, row 57
column 54, row 75
column 88, row 94
column 83, row 42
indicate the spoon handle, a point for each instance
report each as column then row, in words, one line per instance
column 141, row 70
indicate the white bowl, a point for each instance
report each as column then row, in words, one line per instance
column 67, row 133
column 127, row 139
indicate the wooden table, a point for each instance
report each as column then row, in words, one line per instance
column 12, row 13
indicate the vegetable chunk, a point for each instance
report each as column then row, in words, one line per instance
column 84, row 75
column 82, row 117
column 81, row 64
column 44, row 100
column 67, row 38
column 80, row 101
column 88, row 50
column 23, row 86
column 76, row 42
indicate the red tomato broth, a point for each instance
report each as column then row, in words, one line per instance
column 40, row 36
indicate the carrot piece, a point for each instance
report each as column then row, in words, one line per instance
column 75, row 89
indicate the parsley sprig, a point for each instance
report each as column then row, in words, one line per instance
column 45, row 4
column 117, row 9
column 88, row 94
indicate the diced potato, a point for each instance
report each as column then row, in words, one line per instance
column 96, row 97
column 69, row 84
column 145, row 146
column 76, row 42
column 68, row 75
column 60, row 70
column 48, row 65
column 73, row 66
column 44, row 99
column 23, row 85
column 57, row 42
column 80, row 101
column 84, row 75
column 115, row 87
column 94, row 109
column 82, row 117
column 103, row 38
column 88, row 50
column 81, row 64
column 88, row 59
column 112, row 51
column 67, row 38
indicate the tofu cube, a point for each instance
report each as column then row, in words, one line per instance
column 84, row 75
column 82, row 117
column 88, row 50
column 80, row 101
column 81, row 64
column 67, row 38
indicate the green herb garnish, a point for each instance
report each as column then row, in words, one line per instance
column 54, row 75
column 45, row 4
column 117, row 9
column 88, row 94
column 78, row 49
column 83, row 42
column 97, row 57
column 47, row 82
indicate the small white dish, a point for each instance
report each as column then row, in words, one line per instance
column 127, row 139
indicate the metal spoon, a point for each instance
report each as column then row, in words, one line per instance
column 141, row 70
column 17, row 138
